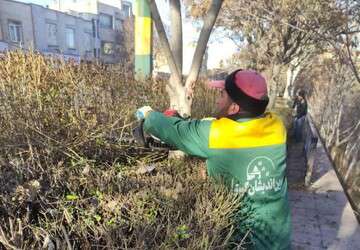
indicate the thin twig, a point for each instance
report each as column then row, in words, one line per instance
column 66, row 237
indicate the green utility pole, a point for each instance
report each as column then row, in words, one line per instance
column 143, row 39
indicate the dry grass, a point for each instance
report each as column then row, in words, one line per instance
column 68, row 180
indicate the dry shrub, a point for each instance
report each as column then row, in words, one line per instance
column 69, row 178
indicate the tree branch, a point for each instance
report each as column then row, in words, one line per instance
column 176, row 34
column 163, row 40
column 209, row 22
column 354, row 69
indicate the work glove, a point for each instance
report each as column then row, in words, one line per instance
column 142, row 112
column 171, row 113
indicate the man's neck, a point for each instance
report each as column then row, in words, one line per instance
column 241, row 115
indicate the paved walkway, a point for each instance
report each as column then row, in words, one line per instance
column 322, row 217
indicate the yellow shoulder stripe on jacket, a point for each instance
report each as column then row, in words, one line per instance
column 266, row 131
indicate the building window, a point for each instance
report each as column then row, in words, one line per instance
column 70, row 38
column 106, row 21
column 51, row 34
column 126, row 8
column 95, row 28
column 118, row 24
column 107, row 48
column 15, row 31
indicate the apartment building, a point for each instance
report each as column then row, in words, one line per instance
column 108, row 17
column 56, row 32
column 16, row 25
column 94, row 33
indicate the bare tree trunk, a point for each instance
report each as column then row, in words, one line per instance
column 274, row 85
column 177, row 93
column 175, row 87
column 181, row 95
column 289, row 79
column 201, row 46
column 176, row 33
column 291, row 74
column 163, row 40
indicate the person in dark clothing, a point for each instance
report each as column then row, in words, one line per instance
column 300, row 106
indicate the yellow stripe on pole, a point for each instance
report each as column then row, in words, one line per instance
column 143, row 36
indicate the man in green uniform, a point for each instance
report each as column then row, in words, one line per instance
column 245, row 147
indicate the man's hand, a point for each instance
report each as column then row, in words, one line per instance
column 142, row 112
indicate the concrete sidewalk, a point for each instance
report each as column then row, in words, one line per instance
column 322, row 217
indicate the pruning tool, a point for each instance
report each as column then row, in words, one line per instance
column 146, row 140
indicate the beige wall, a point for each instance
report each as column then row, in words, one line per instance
column 19, row 12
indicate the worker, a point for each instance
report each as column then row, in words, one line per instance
column 300, row 109
column 244, row 148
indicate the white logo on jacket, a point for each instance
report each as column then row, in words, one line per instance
column 261, row 176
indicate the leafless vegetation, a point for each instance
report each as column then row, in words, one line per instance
column 69, row 179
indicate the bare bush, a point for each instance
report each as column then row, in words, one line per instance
column 69, row 179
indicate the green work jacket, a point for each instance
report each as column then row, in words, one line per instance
column 248, row 155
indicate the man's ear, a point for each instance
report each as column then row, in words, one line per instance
column 234, row 109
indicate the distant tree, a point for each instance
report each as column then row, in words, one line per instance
column 284, row 34
column 279, row 35
column 346, row 43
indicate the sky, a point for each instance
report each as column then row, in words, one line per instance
column 219, row 48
